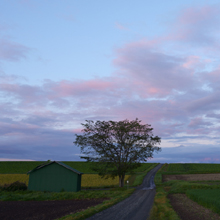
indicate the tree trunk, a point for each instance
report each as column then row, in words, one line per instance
column 121, row 180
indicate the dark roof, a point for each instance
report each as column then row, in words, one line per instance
column 60, row 163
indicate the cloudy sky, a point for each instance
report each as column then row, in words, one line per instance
column 64, row 62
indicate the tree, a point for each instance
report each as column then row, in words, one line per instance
column 118, row 147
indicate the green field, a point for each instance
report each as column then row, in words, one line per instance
column 22, row 167
column 190, row 168
column 208, row 198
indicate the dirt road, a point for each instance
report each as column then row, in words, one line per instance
column 137, row 206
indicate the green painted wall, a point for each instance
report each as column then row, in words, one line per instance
column 54, row 178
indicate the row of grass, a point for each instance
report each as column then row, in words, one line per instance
column 22, row 167
column 161, row 209
column 47, row 196
column 190, row 168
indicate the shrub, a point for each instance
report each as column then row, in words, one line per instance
column 14, row 186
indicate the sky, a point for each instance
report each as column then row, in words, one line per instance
column 66, row 61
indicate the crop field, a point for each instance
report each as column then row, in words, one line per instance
column 8, row 167
column 208, row 198
column 10, row 178
column 88, row 180
column 190, row 168
column 94, row 180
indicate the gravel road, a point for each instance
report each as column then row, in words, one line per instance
column 137, row 206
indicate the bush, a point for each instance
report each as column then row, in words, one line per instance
column 14, row 186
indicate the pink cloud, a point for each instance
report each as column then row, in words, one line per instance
column 75, row 88
column 153, row 72
column 195, row 62
column 210, row 160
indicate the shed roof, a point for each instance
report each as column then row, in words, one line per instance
column 60, row 163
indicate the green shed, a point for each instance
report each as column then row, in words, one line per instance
column 55, row 177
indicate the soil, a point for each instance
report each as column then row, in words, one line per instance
column 190, row 210
column 42, row 210
column 192, row 177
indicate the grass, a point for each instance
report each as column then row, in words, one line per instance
column 162, row 209
column 45, row 196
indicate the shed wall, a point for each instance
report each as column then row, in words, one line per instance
column 55, row 178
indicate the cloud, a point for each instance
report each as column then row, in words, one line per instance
column 197, row 26
column 199, row 122
column 203, row 104
column 11, row 51
column 177, row 93
column 153, row 73
column 213, row 115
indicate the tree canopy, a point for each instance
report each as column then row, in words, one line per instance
column 118, row 147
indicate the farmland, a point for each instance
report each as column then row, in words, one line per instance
column 13, row 171
column 17, row 171
column 178, row 183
